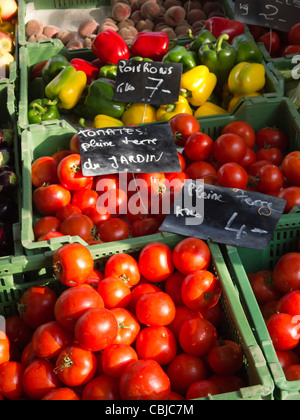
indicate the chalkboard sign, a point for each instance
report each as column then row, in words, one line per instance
column 276, row 14
column 148, row 82
column 147, row 149
column 224, row 215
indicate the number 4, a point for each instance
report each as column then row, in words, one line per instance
column 239, row 232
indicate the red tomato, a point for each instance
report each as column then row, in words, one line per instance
column 191, row 254
column 28, row 355
column 78, row 225
column 183, row 126
column 37, row 306
column 200, row 291
column 176, row 180
column 242, row 129
column 273, row 137
column 291, row 167
column 17, row 331
column 198, row 170
column 74, row 302
column 197, row 336
column 140, row 290
column 44, row 171
column 145, row 227
column 61, row 394
column 294, row 34
column 95, row 278
column 156, row 262
column 183, row 313
column 116, row 358
column 49, row 236
column 287, row 358
column 73, row 263
column 173, row 287
column 144, row 380
column 292, row 196
column 75, row 366
column 105, row 183
column 49, row 339
column 155, row 309
column 292, row 373
column 286, row 273
column 96, row 329
column 284, row 331
column 199, row 146
column 248, row 159
column 229, row 148
column 4, row 348
column 74, row 144
column 70, row 174
column 201, row 389
column 256, row 30
column 97, row 215
column 271, row 41
column 49, row 199
column 60, row 155
column 45, row 225
column 114, row 229
column 102, row 387
column 254, row 168
column 114, row 201
column 225, row 357
column 128, row 326
column 184, row 370
column 67, row 211
column 39, row 378
column 290, row 49
column 272, row 154
column 271, row 179
column 11, row 374
column 156, row 343
column 232, row 175
column 290, row 303
column 84, row 199
column 263, row 287
column 123, row 267
column 181, row 161
column 114, row 292
column 228, row 383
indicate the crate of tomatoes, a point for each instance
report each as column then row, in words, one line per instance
column 129, row 312
column 268, row 282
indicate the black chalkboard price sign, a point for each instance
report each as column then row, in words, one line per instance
column 276, row 14
column 147, row 149
column 148, row 82
column 224, row 215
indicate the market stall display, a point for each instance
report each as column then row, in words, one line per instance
column 110, row 112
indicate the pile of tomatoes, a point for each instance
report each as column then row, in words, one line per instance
column 278, row 293
column 144, row 328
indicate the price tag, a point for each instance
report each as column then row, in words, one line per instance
column 228, row 216
column 146, row 82
column 276, row 14
column 147, row 149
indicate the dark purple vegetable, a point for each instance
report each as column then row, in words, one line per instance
column 6, row 137
column 8, row 209
column 8, row 181
column 5, row 157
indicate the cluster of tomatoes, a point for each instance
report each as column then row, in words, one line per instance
column 241, row 158
column 145, row 328
column 278, row 293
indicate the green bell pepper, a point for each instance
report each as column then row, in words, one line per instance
column 53, row 67
column 100, row 100
column 42, row 110
column 189, row 61
column 246, row 49
column 205, row 36
column 180, row 54
column 141, row 59
column 219, row 57
column 109, row 71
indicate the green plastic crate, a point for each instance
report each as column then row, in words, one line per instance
column 8, row 119
column 240, row 262
column 24, row 272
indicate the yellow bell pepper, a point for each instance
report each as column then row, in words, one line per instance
column 246, row 78
column 209, row 109
column 102, row 121
column 139, row 114
column 234, row 101
column 198, row 84
column 166, row 112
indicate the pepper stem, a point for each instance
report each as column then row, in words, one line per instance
column 40, row 108
column 82, row 123
column 221, row 38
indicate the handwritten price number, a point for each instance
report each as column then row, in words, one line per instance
column 241, row 233
column 271, row 9
column 127, row 87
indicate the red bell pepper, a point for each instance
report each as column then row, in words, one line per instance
column 110, row 47
column 37, row 70
column 153, row 45
column 91, row 71
column 218, row 26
